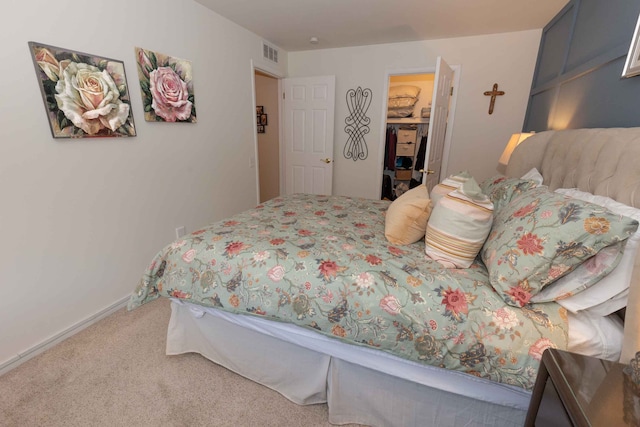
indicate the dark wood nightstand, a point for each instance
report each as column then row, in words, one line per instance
column 576, row 390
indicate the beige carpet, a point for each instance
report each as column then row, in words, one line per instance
column 115, row 373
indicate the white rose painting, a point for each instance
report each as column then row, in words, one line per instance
column 84, row 95
column 166, row 84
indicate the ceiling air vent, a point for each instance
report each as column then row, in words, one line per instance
column 269, row 52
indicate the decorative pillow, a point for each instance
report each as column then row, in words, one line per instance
column 402, row 102
column 501, row 190
column 533, row 175
column 448, row 185
column 540, row 236
column 588, row 274
column 403, row 91
column 400, row 112
column 608, row 294
column 459, row 225
column 406, row 219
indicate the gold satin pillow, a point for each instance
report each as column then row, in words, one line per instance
column 407, row 217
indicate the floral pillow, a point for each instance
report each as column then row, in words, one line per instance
column 540, row 236
column 534, row 175
column 501, row 189
column 608, row 294
column 585, row 276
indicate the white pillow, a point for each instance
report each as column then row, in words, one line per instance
column 399, row 112
column 533, row 175
column 611, row 305
column 615, row 283
column 403, row 91
column 595, row 336
column 402, row 102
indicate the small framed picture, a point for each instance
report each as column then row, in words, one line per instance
column 260, row 129
column 632, row 64
column 263, row 119
column 259, row 110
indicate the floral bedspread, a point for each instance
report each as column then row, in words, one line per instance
column 323, row 262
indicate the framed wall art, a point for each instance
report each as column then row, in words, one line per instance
column 166, row 85
column 632, row 64
column 85, row 95
column 261, row 118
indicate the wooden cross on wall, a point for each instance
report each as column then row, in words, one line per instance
column 493, row 93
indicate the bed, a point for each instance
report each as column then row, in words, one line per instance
column 305, row 294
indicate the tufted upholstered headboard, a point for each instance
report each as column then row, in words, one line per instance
column 605, row 162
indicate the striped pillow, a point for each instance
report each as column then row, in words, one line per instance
column 459, row 224
column 447, row 185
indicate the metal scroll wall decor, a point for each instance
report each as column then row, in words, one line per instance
column 357, row 123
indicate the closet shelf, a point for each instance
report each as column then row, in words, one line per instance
column 407, row 120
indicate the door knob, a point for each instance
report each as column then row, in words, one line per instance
column 327, row 160
column 428, row 171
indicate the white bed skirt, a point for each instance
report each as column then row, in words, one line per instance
column 359, row 384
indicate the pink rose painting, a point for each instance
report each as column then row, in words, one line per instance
column 84, row 95
column 166, row 84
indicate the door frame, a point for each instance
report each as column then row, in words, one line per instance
column 452, row 110
column 254, row 159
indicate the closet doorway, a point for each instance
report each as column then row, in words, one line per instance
column 267, row 125
column 420, row 107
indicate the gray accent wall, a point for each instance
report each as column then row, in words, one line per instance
column 577, row 82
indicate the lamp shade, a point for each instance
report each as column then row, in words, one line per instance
column 514, row 141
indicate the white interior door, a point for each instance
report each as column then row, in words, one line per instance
column 308, row 120
column 438, row 123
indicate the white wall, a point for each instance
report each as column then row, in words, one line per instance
column 477, row 139
column 80, row 219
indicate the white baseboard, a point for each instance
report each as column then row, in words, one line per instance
column 56, row 339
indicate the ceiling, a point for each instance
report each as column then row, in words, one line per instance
column 289, row 24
